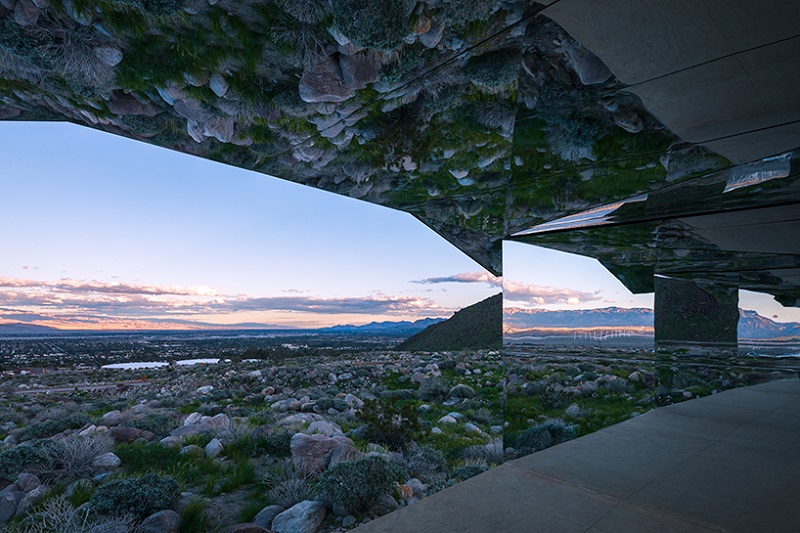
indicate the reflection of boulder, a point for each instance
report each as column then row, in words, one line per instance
column 322, row 81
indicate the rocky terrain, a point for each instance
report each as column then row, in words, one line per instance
column 306, row 443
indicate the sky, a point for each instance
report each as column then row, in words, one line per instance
column 102, row 232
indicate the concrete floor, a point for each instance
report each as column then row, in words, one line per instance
column 728, row 462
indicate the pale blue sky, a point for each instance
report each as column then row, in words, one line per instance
column 100, row 230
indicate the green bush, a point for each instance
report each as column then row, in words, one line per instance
column 432, row 389
column 21, row 458
column 462, row 391
column 139, row 496
column 471, row 470
column 157, row 423
column 388, row 425
column 326, row 402
column 426, row 463
column 193, row 517
column 48, row 428
column 541, row 436
column 372, row 24
column 494, row 70
column 358, row 485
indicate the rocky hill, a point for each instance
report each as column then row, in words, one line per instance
column 479, row 326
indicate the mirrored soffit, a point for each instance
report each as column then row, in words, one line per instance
column 657, row 137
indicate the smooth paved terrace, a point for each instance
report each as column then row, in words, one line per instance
column 727, row 462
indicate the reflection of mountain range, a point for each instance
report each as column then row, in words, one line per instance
column 754, row 326
column 518, row 318
column 751, row 324
column 19, row 328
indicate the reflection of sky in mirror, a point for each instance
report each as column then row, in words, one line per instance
column 582, row 282
column 103, row 230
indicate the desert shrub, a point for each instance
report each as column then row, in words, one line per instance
column 358, row 485
column 432, row 389
column 308, row 11
column 285, row 486
column 278, row 444
column 483, row 415
column 388, row 425
column 48, row 428
column 72, row 458
column 326, row 402
column 57, row 515
column 541, row 436
column 79, row 492
column 462, row 391
column 493, row 71
column 490, row 453
column 138, row 497
column 193, row 517
column 617, row 386
column 370, row 24
column 470, row 470
column 15, row 41
column 395, row 72
column 425, row 463
column 156, row 8
column 157, row 423
column 398, row 394
column 23, row 458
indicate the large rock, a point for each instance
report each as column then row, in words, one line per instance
column 27, row 482
column 9, row 499
column 125, row 434
column 310, row 453
column 305, row 517
column 589, row 68
column 249, row 527
column 31, row 498
column 361, row 69
column 323, row 81
column 166, row 521
column 26, row 13
column 344, row 452
column 323, row 427
column 266, row 515
column 214, row 448
column 107, row 461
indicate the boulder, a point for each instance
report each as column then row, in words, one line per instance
column 220, row 86
column 323, row 427
column 108, row 55
column 31, row 498
column 322, row 81
column 248, row 527
column 353, row 401
column 107, row 461
column 112, row 418
column 304, row 517
column 193, row 418
column 166, row 521
column 26, row 13
column 310, row 453
column 589, row 68
column 359, row 70
column 214, row 448
column 344, row 452
column 27, row 482
column 125, row 434
column 9, row 499
column 266, row 515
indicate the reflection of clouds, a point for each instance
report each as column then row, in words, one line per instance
column 535, row 294
column 29, row 300
column 466, row 277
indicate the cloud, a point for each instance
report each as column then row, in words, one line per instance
column 465, row 277
column 539, row 295
column 30, row 300
column 75, row 286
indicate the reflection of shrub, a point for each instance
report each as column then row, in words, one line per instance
column 388, row 425
column 138, row 497
column 432, row 389
column 494, row 70
column 541, row 436
column 371, row 24
column 462, row 391
column 358, row 485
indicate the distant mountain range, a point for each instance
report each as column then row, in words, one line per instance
column 754, row 326
column 25, row 329
column 399, row 329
